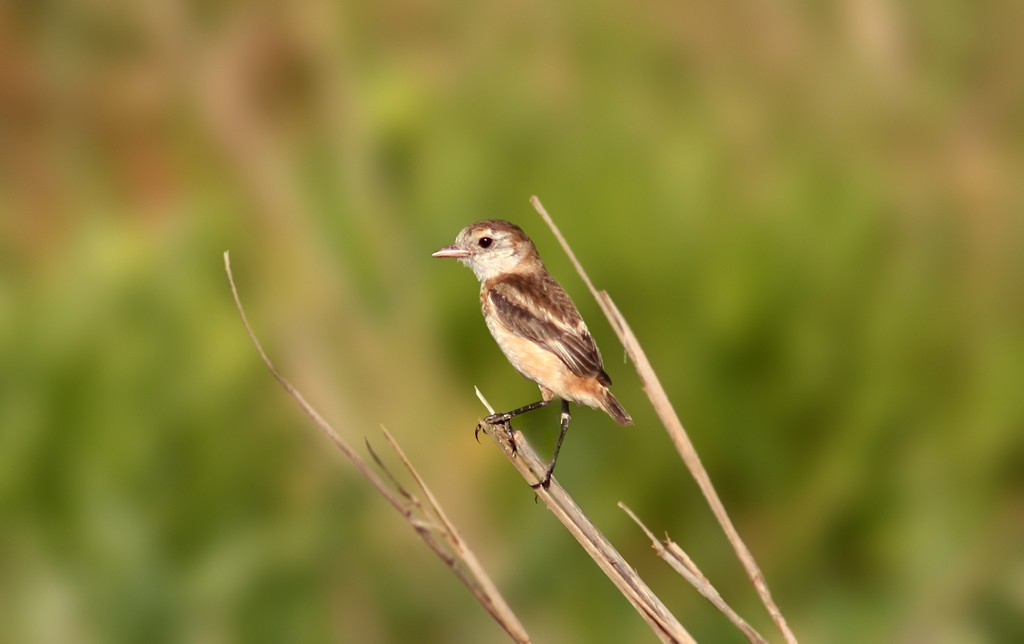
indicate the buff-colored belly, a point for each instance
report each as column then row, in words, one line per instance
column 545, row 368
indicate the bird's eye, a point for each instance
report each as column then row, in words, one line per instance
column 485, row 242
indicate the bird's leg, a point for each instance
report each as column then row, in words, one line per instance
column 504, row 418
column 509, row 415
column 546, row 481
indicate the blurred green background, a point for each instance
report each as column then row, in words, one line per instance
column 811, row 214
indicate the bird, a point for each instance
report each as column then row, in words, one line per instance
column 535, row 324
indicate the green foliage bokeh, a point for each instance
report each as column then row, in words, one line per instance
column 811, row 217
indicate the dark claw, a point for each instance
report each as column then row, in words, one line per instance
column 498, row 419
column 493, row 419
column 512, row 438
column 546, row 481
column 506, row 418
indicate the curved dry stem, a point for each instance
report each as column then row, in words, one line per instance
column 532, row 468
column 681, row 563
column 429, row 522
column 663, row 406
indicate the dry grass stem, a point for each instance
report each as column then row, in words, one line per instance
column 663, row 406
column 430, row 522
column 532, row 468
column 681, row 563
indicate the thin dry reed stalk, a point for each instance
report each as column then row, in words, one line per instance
column 432, row 525
column 663, row 406
column 562, row 505
column 429, row 521
column 681, row 563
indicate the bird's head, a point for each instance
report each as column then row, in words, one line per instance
column 491, row 248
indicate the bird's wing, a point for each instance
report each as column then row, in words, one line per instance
column 537, row 308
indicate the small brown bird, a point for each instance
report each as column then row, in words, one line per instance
column 535, row 324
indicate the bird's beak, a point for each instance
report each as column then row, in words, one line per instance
column 450, row 251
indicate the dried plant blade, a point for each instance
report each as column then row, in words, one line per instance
column 681, row 563
column 532, row 468
column 663, row 406
column 452, row 549
column 488, row 594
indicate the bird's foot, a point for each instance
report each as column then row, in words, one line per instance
column 544, row 482
column 499, row 419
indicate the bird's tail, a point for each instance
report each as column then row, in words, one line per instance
column 615, row 410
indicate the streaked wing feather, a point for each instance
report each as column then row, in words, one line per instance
column 538, row 309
